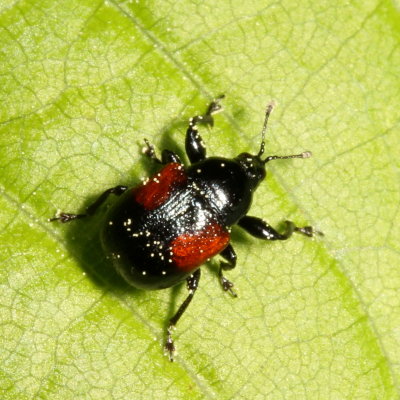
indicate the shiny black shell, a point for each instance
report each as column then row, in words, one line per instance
column 158, row 233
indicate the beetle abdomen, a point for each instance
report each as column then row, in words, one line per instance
column 155, row 241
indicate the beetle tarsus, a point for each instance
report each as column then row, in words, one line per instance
column 66, row 217
column 169, row 344
column 230, row 256
column 308, row 231
column 149, row 151
column 226, row 284
column 167, row 156
column 207, row 119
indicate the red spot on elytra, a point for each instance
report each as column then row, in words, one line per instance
column 157, row 189
column 192, row 249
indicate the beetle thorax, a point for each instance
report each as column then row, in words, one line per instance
column 224, row 186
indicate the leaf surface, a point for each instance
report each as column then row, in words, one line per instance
column 82, row 83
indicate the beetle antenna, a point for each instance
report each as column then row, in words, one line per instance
column 264, row 129
column 304, row 154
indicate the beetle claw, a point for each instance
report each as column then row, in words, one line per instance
column 169, row 345
column 308, row 231
column 65, row 217
column 227, row 286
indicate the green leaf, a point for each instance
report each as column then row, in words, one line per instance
column 82, row 83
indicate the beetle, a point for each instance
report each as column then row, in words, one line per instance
column 159, row 233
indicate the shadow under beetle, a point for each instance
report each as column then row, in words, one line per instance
column 160, row 232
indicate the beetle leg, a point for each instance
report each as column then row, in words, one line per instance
column 194, row 145
column 66, row 217
column 192, row 283
column 260, row 229
column 167, row 156
column 230, row 256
